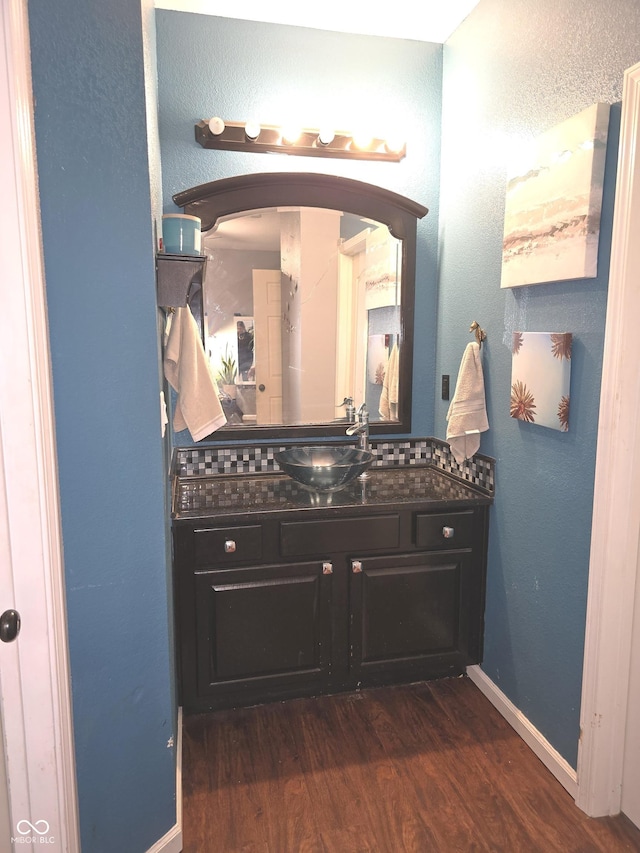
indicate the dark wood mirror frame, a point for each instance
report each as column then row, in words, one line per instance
column 289, row 189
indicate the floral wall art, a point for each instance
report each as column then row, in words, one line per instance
column 553, row 203
column 540, row 378
column 377, row 357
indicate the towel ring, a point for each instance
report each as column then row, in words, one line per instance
column 481, row 335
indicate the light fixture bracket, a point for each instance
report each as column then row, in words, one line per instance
column 270, row 141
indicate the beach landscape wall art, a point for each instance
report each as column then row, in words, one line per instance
column 553, row 203
column 540, row 378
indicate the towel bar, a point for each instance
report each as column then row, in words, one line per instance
column 481, row 335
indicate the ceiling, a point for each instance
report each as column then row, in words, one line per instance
column 429, row 20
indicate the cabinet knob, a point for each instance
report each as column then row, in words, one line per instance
column 356, row 566
column 229, row 546
column 448, row 532
column 327, row 568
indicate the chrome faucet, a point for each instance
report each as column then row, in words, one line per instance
column 361, row 428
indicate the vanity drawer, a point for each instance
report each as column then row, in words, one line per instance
column 227, row 545
column 325, row 536
column 445, row 530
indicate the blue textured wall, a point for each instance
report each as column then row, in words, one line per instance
column 512, row 71
column 97, row 229
column 240, row 69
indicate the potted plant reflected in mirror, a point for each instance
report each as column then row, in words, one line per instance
column 227, row 375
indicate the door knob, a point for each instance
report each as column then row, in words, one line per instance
column 261, row 387
column 9, row 626
column 356, row 566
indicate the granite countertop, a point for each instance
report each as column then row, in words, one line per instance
column 203, row 497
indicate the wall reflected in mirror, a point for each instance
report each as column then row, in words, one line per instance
column 302, row 312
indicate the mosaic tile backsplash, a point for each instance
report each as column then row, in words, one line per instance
column 259, row 459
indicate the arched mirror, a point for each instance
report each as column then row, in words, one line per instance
column 308, row 301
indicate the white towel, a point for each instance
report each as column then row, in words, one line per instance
column 189, row 373
column 467, row 415
column 388, row 407
column 164, row 419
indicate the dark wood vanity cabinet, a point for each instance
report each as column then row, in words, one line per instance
column 275, row 606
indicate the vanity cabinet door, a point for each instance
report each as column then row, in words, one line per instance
column 261, row 632
column 411, row 616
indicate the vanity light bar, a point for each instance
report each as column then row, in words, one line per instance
column 268, row 139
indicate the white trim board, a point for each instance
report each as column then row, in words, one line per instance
column 35, row 696
column 616, row 509
column 550, row 757
column 171, row 841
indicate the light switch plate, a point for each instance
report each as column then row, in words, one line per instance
column 445, row 386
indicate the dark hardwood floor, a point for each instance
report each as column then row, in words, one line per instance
column 426, row 768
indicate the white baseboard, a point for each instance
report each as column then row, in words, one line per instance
column 550, row 757
column 171, row 842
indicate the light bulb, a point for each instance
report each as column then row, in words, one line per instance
column 394, row 145
column 290, row 134
column 216, row 125
column 326, row 136
column 362, row 139
column 252, row 130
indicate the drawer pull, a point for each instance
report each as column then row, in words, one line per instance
column 229, row 546
column 448, row 532
column 327, row 568
column 356, row 566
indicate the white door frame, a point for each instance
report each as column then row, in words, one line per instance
column 267, row 302
column 35, row 700
column 616, row 511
